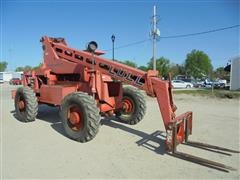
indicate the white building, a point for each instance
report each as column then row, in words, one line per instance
column 7, row 76
column 235, row 74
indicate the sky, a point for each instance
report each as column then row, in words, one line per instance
column 23, row 23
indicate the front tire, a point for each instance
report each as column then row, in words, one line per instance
column 80, row 116
column 134, row 106
column 26, row 104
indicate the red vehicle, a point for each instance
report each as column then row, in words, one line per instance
column 86, row 86
column 15, row 81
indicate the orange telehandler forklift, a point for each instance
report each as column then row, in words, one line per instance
column 86, row 86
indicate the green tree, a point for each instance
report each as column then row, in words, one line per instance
column 144, row 68
column 38, row 66
column 162, row 65
column 3, row 65
column 176, row 69
column 25, row 68
column 220, row 73
column 198, row 64
column 129, row 63
column 28, row 68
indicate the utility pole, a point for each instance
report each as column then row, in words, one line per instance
column 155, row 33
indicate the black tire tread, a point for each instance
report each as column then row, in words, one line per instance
column 31, row 104
column 141, row 106
column 93, row 116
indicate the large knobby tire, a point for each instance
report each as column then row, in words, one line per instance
column 80, row 116
column 26, row 104
column 134, row 106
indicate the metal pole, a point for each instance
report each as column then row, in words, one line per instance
column 154, row 37
column 113, row 51
column 113, row 39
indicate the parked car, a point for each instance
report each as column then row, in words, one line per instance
column 181, row 84
column 1, row 81
column 196, row 83
column 15, row 81
column 219, row 83
column 188, row 80
column 208, row 83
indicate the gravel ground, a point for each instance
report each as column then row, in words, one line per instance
column 40, row 149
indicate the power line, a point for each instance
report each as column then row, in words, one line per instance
column 176, row 36
column 130, row 44
column 200, row 33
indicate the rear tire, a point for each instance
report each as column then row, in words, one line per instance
column 80, row 116
column 134, row 106
column 26, row 105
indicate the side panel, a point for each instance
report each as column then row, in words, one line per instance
column 54, row 94
column 111, row 95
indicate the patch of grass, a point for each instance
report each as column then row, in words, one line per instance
column 209, row 93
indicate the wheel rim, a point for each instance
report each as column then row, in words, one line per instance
column 21, row 104
column 74, row 118
column 128, row 106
